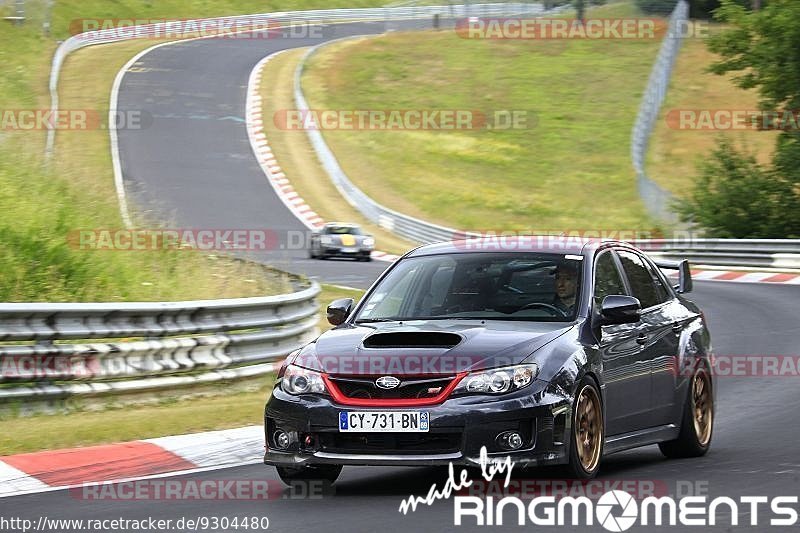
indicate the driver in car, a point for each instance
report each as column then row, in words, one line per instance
column 566, row 288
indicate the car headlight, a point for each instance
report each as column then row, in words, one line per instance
column 498, row 380
column 325, row 239
column 368, row 242
column 298, row 380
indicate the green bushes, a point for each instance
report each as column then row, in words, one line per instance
column 736, row 198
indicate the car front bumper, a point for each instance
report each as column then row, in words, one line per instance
column 345, row 251
column 459, row 428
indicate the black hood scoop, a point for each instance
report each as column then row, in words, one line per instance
column 412, row 339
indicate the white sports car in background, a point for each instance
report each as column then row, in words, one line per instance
column 338, row 239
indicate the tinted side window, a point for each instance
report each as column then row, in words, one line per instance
column 661, row 289
column 606, row 278
column 641, row 279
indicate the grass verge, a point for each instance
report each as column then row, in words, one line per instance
column 298, row 160
column 569, row 169
column 674, row 154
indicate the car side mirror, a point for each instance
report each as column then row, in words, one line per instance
column 619, row 309
column 339, row 310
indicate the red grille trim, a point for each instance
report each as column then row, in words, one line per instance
column 340, row 398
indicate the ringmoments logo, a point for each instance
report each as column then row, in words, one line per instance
column 616, row 499
column 617, row 510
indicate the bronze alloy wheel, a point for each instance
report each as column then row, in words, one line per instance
column 702, row 406
column 588, row 428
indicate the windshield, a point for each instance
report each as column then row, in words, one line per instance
column 493, row 286
column 342, row 230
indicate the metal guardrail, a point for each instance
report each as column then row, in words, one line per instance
column 657, row 200
column 263, row 20
column 752, row 253
column 69, row 349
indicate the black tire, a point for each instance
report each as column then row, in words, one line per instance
column 693, row 440
column 576, row 469
column 311, row 254
column 324, row 473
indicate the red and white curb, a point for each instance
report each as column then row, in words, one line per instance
column 740, row 276
column 746, row 277
column 269, row 165
column 58, row 469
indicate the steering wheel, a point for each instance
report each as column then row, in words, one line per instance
column 553, row 309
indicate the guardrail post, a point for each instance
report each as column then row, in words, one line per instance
column 20, row 13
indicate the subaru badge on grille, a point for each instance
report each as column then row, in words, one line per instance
column 387, row 382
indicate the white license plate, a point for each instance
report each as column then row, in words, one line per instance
column 349, row 250
column 384, row 421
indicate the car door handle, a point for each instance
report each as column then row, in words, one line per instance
column 642, row 339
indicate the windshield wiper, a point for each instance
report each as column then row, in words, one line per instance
column 441, row 317
column 368, row 320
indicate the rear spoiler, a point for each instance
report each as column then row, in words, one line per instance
column 684, row 284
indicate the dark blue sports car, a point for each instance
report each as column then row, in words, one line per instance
column 545, row 349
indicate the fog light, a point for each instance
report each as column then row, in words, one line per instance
column 282, row 439
column 510, row 440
